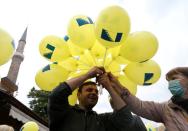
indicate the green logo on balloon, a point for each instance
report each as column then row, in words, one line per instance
column 51, row 48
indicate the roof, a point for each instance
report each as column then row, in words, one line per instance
column 14, row 113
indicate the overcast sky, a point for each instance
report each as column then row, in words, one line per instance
column 167, row 19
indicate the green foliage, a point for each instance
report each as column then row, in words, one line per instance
column 39, row 101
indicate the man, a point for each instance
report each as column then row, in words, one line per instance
column 63, row 117
column 174, row 113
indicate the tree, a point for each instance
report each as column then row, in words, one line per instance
column 39, row 101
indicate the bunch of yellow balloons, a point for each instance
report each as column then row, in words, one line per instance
column 106, row 43
column 7, row 47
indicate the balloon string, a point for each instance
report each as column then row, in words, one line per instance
column 104, row 57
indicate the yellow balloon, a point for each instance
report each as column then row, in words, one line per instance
column 114, row 51
column 73, row 97
column 98, row 53
column 81, row 31
column 121, row 60
column 69, row 64
column 87, row 59
column 139, row 46
column 6, row 47
column 112, row 26
column 77, row 73
column 126, row 82
column 54, row 48
column 114, row 68
column 83, row 67
column 30, row 126
column 90, row 58
column 98, row 50
column 99, row 61
column 107, row 60
column 51, row 76
column 74, row 49
column 145, row 73
column 82, row 60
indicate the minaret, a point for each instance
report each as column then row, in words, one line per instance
column 17, row 58
column 9, row 82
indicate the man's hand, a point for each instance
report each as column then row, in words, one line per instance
column 94, row 72
column 115, row 83
column 104, row 81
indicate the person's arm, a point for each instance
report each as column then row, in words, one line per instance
column 77, row 81
column 58, row 105
column 147, row 109
column 118, row 103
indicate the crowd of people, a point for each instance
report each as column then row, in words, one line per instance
column 63, row 117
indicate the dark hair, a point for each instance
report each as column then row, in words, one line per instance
column 85, row 84
column 177, row 70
